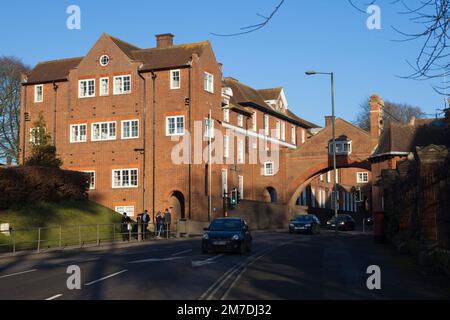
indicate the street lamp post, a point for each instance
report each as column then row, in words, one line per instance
column 333, row 128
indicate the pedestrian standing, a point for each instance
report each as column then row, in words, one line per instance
column 124, row 227
column 159, row 222
column 145, row 222
column 168, row 221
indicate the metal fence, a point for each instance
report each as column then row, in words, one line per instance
column 41, row 239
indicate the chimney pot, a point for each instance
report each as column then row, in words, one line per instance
column 164, row 40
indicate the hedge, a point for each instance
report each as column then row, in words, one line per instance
column 19, row 184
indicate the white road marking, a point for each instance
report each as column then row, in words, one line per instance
column 104, row 278
column 180, row 253
column 17, row 274
column 54, row 297
column 201, row 263
column 156, row 260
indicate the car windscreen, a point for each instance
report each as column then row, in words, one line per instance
column 303, row 219
column 225, row 225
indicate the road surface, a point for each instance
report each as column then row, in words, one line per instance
column 280, row 266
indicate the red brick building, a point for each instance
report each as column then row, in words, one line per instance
column 124, row 114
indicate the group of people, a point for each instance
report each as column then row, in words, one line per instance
column 163, row 222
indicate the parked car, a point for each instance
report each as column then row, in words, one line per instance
column 227, row 235
column 305, row 224
column 345, row 222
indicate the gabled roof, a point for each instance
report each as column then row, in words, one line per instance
column 152, row 58
column 55, row 70
column 270, row 94
column 248, row 97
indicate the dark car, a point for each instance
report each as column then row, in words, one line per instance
column 345, row 222
column 305, row 224
column 227, row 235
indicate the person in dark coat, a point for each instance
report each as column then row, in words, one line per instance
column 159, row 224
column 167, row 222
column 126, row 223
column 145, row 222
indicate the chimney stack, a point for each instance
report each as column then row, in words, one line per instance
column 376, row 119
column 164, row 40
column 328, row 120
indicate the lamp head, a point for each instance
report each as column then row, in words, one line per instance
column 310, row 73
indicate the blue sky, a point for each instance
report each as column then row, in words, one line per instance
column 326, row 35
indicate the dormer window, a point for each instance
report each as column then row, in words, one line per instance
column 343, row 148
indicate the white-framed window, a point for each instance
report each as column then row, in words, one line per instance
column 226, row 146
column 130, row 129
column 303, row 136
column 241, row 149
column 175, row 79
column 278, row 130
column 266, row 125
column 241, row 187
column 321, row 178
column 86, row 88
column 293, row 135
column 122, row 84
column 209, row 128
column 269, row 169
column 103, row 131
column 104, row 60
column 208, row 82
column 129, row 210
column 78, row 133
column 175, row 126
column 362, row 177
column 38, row 93
column 342, row 147
column 104, row 87
column 91, row 179
column 224, row 182
column 255, row 121
column 35, row 137
column 337, row 175
column 329, row 177
column 283, row 131
column 226, row 115
column 240, row 120
column 125, row 178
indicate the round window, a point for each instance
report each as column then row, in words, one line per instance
column 104, row 60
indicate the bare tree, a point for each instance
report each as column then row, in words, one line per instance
column 255, row 27
column 433, row 17
column 397, row 112
column 10, row 88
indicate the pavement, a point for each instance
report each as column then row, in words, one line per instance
column 280, row 266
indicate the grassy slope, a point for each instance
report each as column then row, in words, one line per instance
column 49, row 216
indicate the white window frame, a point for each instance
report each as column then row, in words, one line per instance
column 102, row 93
column 87, row 81
column 283, row 131
column 125, row 209
column 226, row 115
column 109, row 136
column 122, row 126
column 208, row 131
column 240, row 120
column 172, row 80
column 224, row 181
column 255, row 121
column 293, row 135
column 303, row 136
column 122, row 186
column 78, row 126
column 91, row 187
column 100, row 60
column 36, row 100
column 329, row 177
column 226, row 146
column 33, row 137
column 121, row 90
column 176, row 133
column 266, row 125
column 360, row 177
column 208, row 82
column 342, row 145
column 266, row 171
column 278, row 130
column 241, row 152
column 241, row 187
